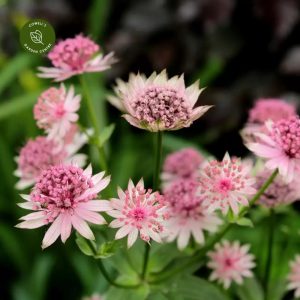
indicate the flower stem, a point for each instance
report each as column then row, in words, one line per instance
column 106, row 274
column 158, row 157
column 94, row 121
column 200, row 254
column 269, row 253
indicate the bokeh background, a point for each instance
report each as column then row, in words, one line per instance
column 239, row 49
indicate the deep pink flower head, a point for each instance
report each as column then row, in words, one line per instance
column 181, row 164
column 226, row 184
column 265, row 110
column 64, row 196
column 279, row 192
column 158, row 103
column 271, row 109
column 137, row 211
column 56, row 110
column 280, row 147
column 75, row 56
column 294, row 276
column 230, row 262
column 41, row 153
column 186, row 215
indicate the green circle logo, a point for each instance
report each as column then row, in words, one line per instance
column 37, row 36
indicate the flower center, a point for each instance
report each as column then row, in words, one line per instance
column 161, row 104
column 59, row 187
column 287, row 134
column 59, row 111
column 225, row 185
column 138, row 214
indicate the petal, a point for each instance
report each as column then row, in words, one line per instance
column 66, row 227
column 34, row 216
column 123, row 231
column 90, row 216
column 52, row 233
column 82, row 227
column 31, row 224
column 96, row 205
column 132, row 236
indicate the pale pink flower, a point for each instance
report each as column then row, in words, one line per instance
column 266, row 109
column 137, row 212
column 94, row 297
column 64, row 196
column 230, row 262
column 158, row 103
column 294, row 276
column 75, row 56
column 41, row 153
column 226, row 184
column 186, row 214
column 181, row 164
column 279, row 192
column 56, row 111
column 280, row 147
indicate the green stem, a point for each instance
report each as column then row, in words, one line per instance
column 106, row 274
column 158, row 157
column 269, row 253
column 94, row 121
column 165, row 275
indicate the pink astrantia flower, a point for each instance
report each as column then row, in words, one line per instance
column 264, row 110
column 279, row 192
column 64, row 196
column 181, row 164
column 56, row 110
column 137, row 211
column 75, row 56
column 230, row 262
column 158, row 103
column 186, row 214
column 226, row 184
column 280, row 147
column 294, row 276
column 41, row 153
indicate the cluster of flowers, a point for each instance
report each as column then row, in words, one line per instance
column 196, row 191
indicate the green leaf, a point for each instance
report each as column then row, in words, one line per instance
column 15, row 105
column 140, row 293
column 105, row 134
column 250, row 290
column 108, row 249
column 84, row 246
column 244, row 222
column 194, row 288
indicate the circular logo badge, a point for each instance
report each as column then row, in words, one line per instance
column 37, row 36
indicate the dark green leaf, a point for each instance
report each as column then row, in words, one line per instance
column 84, row 246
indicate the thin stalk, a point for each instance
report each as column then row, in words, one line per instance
column 106, row 274
column 94, row 121
column 165, row 275
column 158, row 157
column 269, row 253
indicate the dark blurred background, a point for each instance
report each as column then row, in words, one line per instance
column 239, row 49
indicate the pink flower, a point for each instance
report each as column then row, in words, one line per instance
column 264, row 110
column 75, row 56
column 94, row 297
column 186, row 214
column 137, row 211
column 294, row 276
column 56, row 110
column 158, row 103
column 41, row 153
column 230, row 262
column 226, row 184
column 181, row 164
column 279, row 192
column 280, row 147
column 64, row 196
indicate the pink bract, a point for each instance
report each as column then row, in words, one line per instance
column 294, row 276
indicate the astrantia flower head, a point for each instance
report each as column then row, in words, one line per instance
column 279, row 192
column 137, row 212
column 265, row 110
column 56, row 110
column 226, row 184
column 158, row 103
column 75, row 56
column 230, row 262
column 294, row 276
column 41, row 153
column 181, row 164
column 280, row 147
column 64, row 195
column 186, row 214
